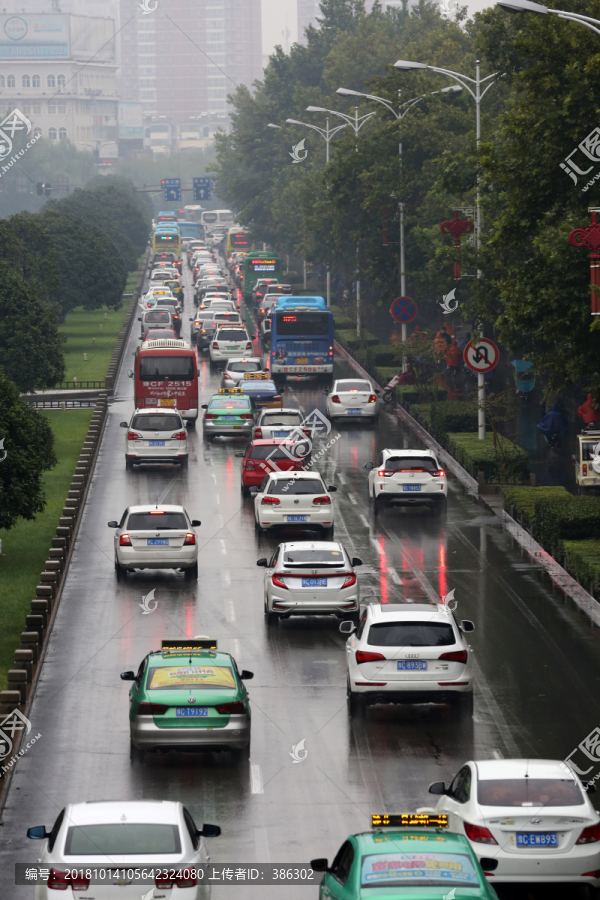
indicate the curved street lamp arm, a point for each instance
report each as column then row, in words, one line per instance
column 579, row 20
column 461, row 79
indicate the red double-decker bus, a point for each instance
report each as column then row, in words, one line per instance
column 166, row 375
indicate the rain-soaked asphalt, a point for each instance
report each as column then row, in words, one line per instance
column 537, row 660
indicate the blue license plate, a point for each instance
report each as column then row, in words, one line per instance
column 281, row 434
column 537, row 839
column 156, row 443
column 229, row 418
column 296, row 518
column 191, row 711
column 412, row 665
column 314, row 582
column 411, row 487
column 157, row 542
column 355, row 412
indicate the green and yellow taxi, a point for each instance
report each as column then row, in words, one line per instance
column 176, row 287
column 263, row 390
column 230, row 412
column 408, row 856
column 189, row 696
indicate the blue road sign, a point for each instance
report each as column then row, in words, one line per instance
column 172, row 188
column 403, row 309
column 202, row 189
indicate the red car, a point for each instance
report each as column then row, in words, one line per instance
column 261, row 457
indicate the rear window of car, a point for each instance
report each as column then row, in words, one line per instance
column 313, row 556
column 244, row 367
column 157, row 315
column 156, row 423
column 181, row 678
column 160, row 334
column 122, row 839
column 411, row 634
column 529, row 792
column 270, row 451
column 233, row 334
column 168, row 301
column 230, row 403
column 279, row 418
column 227, row 317
column 146, row 521
column 410, row 464
column 297, row 486
column 353, row 386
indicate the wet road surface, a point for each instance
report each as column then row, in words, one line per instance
column 537, row 659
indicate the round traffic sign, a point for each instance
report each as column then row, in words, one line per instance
column 403, row 309
column 481, row 357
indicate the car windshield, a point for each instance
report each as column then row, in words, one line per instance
column 343, row 386
column 296, row 486
column 230, row 403
column 244, row 367
column 313, row 557
column 157, row 521
column 122, row 839
column 167, row 368
column 156, row 316
column 233, row 334
column 155, row 422
column 411, row 634
column 182, row 678
column 160, row 334
column 410, row 464
column 424, row 869
column 279, row 418
column 529, row 792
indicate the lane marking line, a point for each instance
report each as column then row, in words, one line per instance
column 363, row 519
column 256, row 782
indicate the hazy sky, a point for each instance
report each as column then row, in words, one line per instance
column 274, row 14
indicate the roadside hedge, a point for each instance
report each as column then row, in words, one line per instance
column 452, row 416
column 557, row 520
column 582, row 560
column 481, row 456
column 384, row 355
column 520, row 500
column 348, row 338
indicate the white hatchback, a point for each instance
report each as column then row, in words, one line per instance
column 408, row 653
column 352, row 398
column 229, row 342
column 407, row 478
column 155, row 435
column 112, row 835
column 532, row 815
column 310, row 578
column 155, row 537
column 299, row 499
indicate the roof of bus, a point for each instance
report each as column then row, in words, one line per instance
column 167, row 213
column 287, row 302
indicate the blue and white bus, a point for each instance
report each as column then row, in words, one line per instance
column 301, row 337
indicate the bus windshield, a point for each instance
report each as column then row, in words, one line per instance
column 167, row 368
column 292, row 323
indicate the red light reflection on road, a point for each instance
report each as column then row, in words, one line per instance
column 190, row 610
column 229, row 471
column 383, row 578
column 443, row 570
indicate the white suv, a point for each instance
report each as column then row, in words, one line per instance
column 155, row 435
column 229, row 342
column 408, row 653
column 407, row 478
column 294, row 498
column 156, row 537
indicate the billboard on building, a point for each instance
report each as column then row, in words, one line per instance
column 31, row 35
column 92, row 37
column 131, row 120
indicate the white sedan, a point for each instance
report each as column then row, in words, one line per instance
column 532, row 815
column 407, row 478
column 310, row 578
column 408, row 653
column 113, row 835
column 155, row 537
column 352, row 398
column 155, row 435
column 299, row 499
column 286, row 422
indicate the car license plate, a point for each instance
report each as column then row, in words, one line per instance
column 191, row 711
column 537, row 839
column 302, row 361
column 296, row 518
column 231, row 348
column 314, row 582
column 355, row 412
column 411, row 487
column 156, row 443
column 229, row 418
column 157, row 542
column 166, row 403
column 412, row 665
column 281, row 434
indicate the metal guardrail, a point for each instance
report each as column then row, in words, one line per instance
column 84, row 403
column 79, row 385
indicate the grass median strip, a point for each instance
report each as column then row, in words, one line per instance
column 25, row 547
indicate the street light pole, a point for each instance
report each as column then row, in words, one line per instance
column 529, row 6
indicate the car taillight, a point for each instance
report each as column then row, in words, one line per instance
column 584, row 467
column 263, row 311
column 133, row 436
column 231, row 709
column 60, row 881
column 590, row 835
column 321, row 501
column 215, row 346
column 125, row 540
column 152, row 709
column 455, row 656
column 335, row 399
column 438, row 473
column 277, row 397
column 190, row 538
column 350, row 580
column 276, row 579
column 258, row 433
column 182, row 878
column 367, row 656
column 249, row 345
column 383, row 473
column 179, row 436
column 479, row 834
column 250, row 466
column 210, row 416
column 246, row 416
column 270, row 501
column 372, row 398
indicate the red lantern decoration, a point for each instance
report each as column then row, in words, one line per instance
column 457, row 227
column 590, row 237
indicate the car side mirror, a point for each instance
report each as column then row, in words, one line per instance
column 124, row 425
column 210, row 830
column 356, row 561
column 204, row 406
column 191, row 319
column 466, row 625
column 240, row 454
column 245, row 675
column 332, row 489
column 130, row 373
column 377, row 391
column 263, row 562
column 113, row 524
column 347, row 627
column 369, row 465
column 38, row 833
column 196, row 522
column 488, row 864
column 139, row 318
column 127, row 676
column 319, row 865
column 438, row 787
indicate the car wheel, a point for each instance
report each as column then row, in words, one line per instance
column 120, row 571
column 271, row 617
column 355, row 702
column 208, row 437
column 328, row 533
column 241, row 755
column 377, row 505
column 136, row 754
column 191, row 574
column 245, row 490
column 258, row 528
column 184, row 462
column 129, row 465
column 353, row 617
column 191, row 423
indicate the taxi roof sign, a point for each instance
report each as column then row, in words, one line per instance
column 409, row 820
column 179, row 645
column 256, row 376
column 230, row 391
